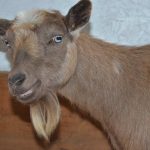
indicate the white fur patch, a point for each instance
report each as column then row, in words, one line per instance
column 33, row 16
column 76, row 32
column 117, row 67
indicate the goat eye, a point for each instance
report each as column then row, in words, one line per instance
column 7, row 43
column 58, row 39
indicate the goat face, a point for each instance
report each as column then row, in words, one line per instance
column 40, row 45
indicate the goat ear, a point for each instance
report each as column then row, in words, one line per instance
column 4, row 26
column 78, row 15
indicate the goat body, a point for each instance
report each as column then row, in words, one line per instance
column 112, row 83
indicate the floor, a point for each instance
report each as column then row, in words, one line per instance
column 16, row 132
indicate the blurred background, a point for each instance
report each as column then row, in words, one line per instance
column 125, row 22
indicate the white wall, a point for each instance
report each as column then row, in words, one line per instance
column 125, row 22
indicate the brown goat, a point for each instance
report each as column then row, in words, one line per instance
column 50, row 56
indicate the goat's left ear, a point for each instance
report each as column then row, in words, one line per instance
column 78, row 15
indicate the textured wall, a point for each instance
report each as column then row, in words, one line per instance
column 125, row 22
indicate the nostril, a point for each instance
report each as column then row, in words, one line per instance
column 17, row 79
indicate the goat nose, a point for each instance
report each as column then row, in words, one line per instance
column 17, row 79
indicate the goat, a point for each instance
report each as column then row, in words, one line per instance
column 50, row 56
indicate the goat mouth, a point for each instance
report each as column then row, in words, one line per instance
column 29, row 95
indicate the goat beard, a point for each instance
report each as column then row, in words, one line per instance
column 45, row 115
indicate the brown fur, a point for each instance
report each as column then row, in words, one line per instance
column 110, row 82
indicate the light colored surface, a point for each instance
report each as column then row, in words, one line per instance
column 125, row 22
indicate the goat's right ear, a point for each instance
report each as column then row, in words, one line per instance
column 78, row 15
column 4, row 26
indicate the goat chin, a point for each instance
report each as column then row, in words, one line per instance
column 45, row 115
